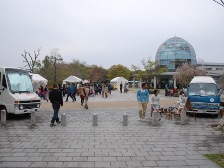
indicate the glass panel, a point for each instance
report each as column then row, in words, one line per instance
column 202, row 89
column 19, row 81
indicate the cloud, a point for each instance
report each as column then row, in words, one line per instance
column 108, row 32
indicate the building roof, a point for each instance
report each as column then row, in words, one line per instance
column 210, row 63
column 202, row 79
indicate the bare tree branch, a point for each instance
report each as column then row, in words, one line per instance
column 31, row 62
column 26, row 59
column 222, row 3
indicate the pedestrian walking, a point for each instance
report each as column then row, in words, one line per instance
column 74, row 91
column 81, row 94
column 106, row 90
column 69, row 92
column 43, row 93
column 102, row 89
column 56, row 99
column 86, row 91
column 143, row 98
column 121, row 87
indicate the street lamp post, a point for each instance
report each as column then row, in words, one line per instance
column 55, row 70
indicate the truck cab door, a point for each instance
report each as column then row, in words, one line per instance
column 3, row 90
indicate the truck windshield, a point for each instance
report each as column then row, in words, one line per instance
column 202, row 89
column 19, row 81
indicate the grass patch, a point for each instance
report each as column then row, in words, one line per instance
column 217, row 158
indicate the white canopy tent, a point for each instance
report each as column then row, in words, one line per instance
column 38, row 80
column 72, row 79
column 85, row 81
column 119, row 80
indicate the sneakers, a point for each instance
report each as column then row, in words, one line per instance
column 52, row 124
column 143, row 119
column 159, row 119
column 58, row 122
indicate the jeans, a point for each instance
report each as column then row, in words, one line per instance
column 55, row 116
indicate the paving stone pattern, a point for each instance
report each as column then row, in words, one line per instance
column 79, row 144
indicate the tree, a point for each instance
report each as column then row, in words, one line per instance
column 186, row 72
column 47, row 69
column 136, row 72
column 32, row 62
column 151, row 68
column 97, row 74
column 79, row 69
column 117, row 71
column 220, row 3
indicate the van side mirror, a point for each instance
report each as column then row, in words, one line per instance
column 220, row 91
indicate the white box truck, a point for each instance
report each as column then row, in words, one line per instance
column 16, row 91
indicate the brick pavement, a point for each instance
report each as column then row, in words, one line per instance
column 79, row 144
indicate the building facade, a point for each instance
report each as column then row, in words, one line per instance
column 175, row 51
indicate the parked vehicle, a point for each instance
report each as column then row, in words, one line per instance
column 17, row 95
column 204, row 95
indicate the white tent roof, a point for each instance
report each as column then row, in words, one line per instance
column 38, row 78
column 72, row 79
column 119, row 79
column 85, row 81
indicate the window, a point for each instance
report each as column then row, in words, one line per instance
column 4, row 82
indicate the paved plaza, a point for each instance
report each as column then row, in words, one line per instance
column 110, row 144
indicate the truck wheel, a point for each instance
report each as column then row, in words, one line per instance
column 27, row 115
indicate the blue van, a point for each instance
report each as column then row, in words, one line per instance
column 204, row 95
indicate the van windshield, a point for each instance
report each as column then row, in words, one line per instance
column 19, row 81
column 202, row 89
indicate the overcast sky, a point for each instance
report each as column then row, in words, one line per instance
column 108, row 32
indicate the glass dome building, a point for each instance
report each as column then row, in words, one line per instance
column 174, row 52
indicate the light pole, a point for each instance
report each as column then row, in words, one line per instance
column 55, row 71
